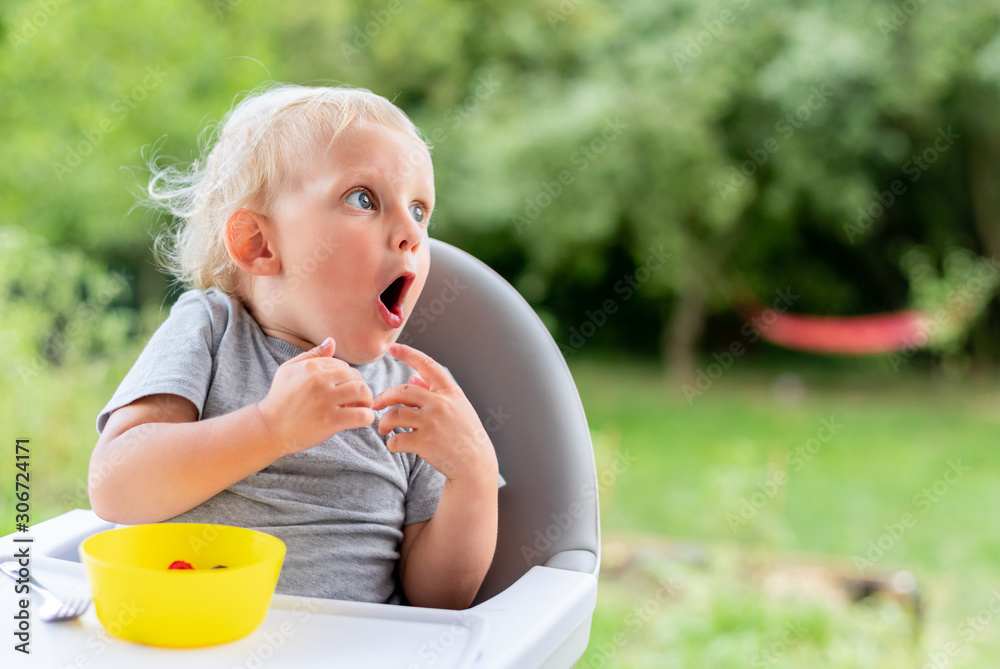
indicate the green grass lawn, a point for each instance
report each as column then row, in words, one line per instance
column 755, row 473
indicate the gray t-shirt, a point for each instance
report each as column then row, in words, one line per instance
column 340, row 506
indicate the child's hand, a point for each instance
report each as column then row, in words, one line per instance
column 446, row 433
column 314, row 396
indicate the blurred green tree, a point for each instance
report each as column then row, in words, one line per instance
column 634, row 168
column 763, row 147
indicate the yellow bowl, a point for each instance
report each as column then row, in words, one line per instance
column 139, row 598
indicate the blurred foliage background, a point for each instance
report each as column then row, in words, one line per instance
column 755, row 144
column 846, row 153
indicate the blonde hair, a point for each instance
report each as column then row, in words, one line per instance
column 246, row 160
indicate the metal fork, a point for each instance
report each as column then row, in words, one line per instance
column 52, row 608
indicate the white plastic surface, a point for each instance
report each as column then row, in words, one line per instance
column 536, row 618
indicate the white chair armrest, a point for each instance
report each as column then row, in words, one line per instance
column 530, row 621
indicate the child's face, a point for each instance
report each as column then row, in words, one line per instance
column 351, row 234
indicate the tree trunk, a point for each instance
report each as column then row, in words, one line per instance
column 984, row 187
column 680, row 338
column 984, row 184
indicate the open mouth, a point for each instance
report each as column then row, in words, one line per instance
column 391, row 299
column 390, row 296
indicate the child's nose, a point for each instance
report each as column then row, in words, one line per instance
column 407, row 233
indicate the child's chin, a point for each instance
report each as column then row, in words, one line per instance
column 369, row 354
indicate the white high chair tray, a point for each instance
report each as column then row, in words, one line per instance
column 543, row 620
column 298, row 632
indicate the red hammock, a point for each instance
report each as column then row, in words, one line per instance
column 841, row 335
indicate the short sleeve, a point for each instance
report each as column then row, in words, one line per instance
column 177, row 360
column 423, row 492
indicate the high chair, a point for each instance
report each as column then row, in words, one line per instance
column 536, row 604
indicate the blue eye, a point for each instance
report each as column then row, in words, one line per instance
column 361, row 200
column 417, row 211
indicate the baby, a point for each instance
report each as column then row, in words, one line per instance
column 304, row 235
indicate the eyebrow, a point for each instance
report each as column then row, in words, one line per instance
column 337, row 183
column 363, row 174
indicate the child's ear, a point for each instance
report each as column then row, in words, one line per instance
column 249, row 243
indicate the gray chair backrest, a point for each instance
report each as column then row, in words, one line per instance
column 476, row 324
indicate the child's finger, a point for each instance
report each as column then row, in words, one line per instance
column 426, row 366
column 325, row 349
column 352, row 393
column 399, row 417
column 402, row 442
column 417, row 381
column 410, row 395
column 357, row 417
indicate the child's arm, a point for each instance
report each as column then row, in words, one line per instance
column 443, row 561
column 154, row 460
